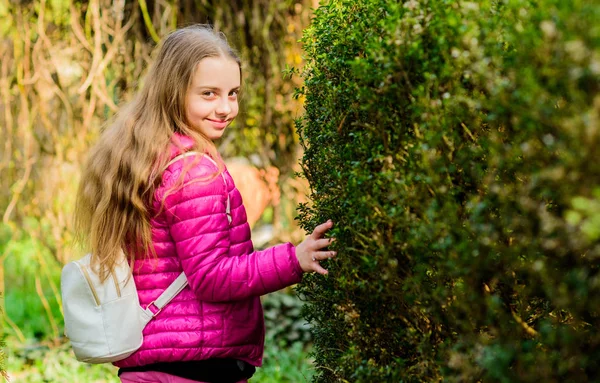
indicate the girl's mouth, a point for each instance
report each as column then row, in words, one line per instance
column 219, row 124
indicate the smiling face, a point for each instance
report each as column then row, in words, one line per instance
column 212, row 99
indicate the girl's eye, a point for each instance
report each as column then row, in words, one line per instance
column 234, row 93
column 208, row 93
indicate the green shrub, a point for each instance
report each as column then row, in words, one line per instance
column 455, row 145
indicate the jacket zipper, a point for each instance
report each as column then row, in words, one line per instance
column 228, row 206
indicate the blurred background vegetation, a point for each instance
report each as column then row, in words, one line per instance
column 66, row 66
column 454, row 143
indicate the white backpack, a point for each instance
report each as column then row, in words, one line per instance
column 104, row 320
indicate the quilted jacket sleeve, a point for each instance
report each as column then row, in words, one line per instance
column 198, row 224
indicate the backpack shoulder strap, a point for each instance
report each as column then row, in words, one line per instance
column 192, row 153
column 168, row 295
column 180, row 156
column 181, row 281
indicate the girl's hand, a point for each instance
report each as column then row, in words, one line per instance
column 309, row 251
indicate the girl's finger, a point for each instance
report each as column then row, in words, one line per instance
column 320, row 269
column 321, row 229
column 321, row 243
column 323, row 255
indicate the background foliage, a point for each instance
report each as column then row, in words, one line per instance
column 65, row 67
column 3, row 372
column 455, row 146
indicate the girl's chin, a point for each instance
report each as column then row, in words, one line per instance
column 211, row 133
column 215, row 135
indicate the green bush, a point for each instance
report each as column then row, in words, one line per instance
column 455, row 145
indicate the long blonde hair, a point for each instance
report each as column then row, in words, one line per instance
column 113, row 205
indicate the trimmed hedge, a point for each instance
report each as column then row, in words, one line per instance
column 456, row 146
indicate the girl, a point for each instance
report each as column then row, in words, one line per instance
column 171, row 212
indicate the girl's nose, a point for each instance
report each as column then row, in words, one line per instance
column 224, row 108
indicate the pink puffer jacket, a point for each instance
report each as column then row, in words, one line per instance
column 219, row 314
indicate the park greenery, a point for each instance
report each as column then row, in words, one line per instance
column 455, row 144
